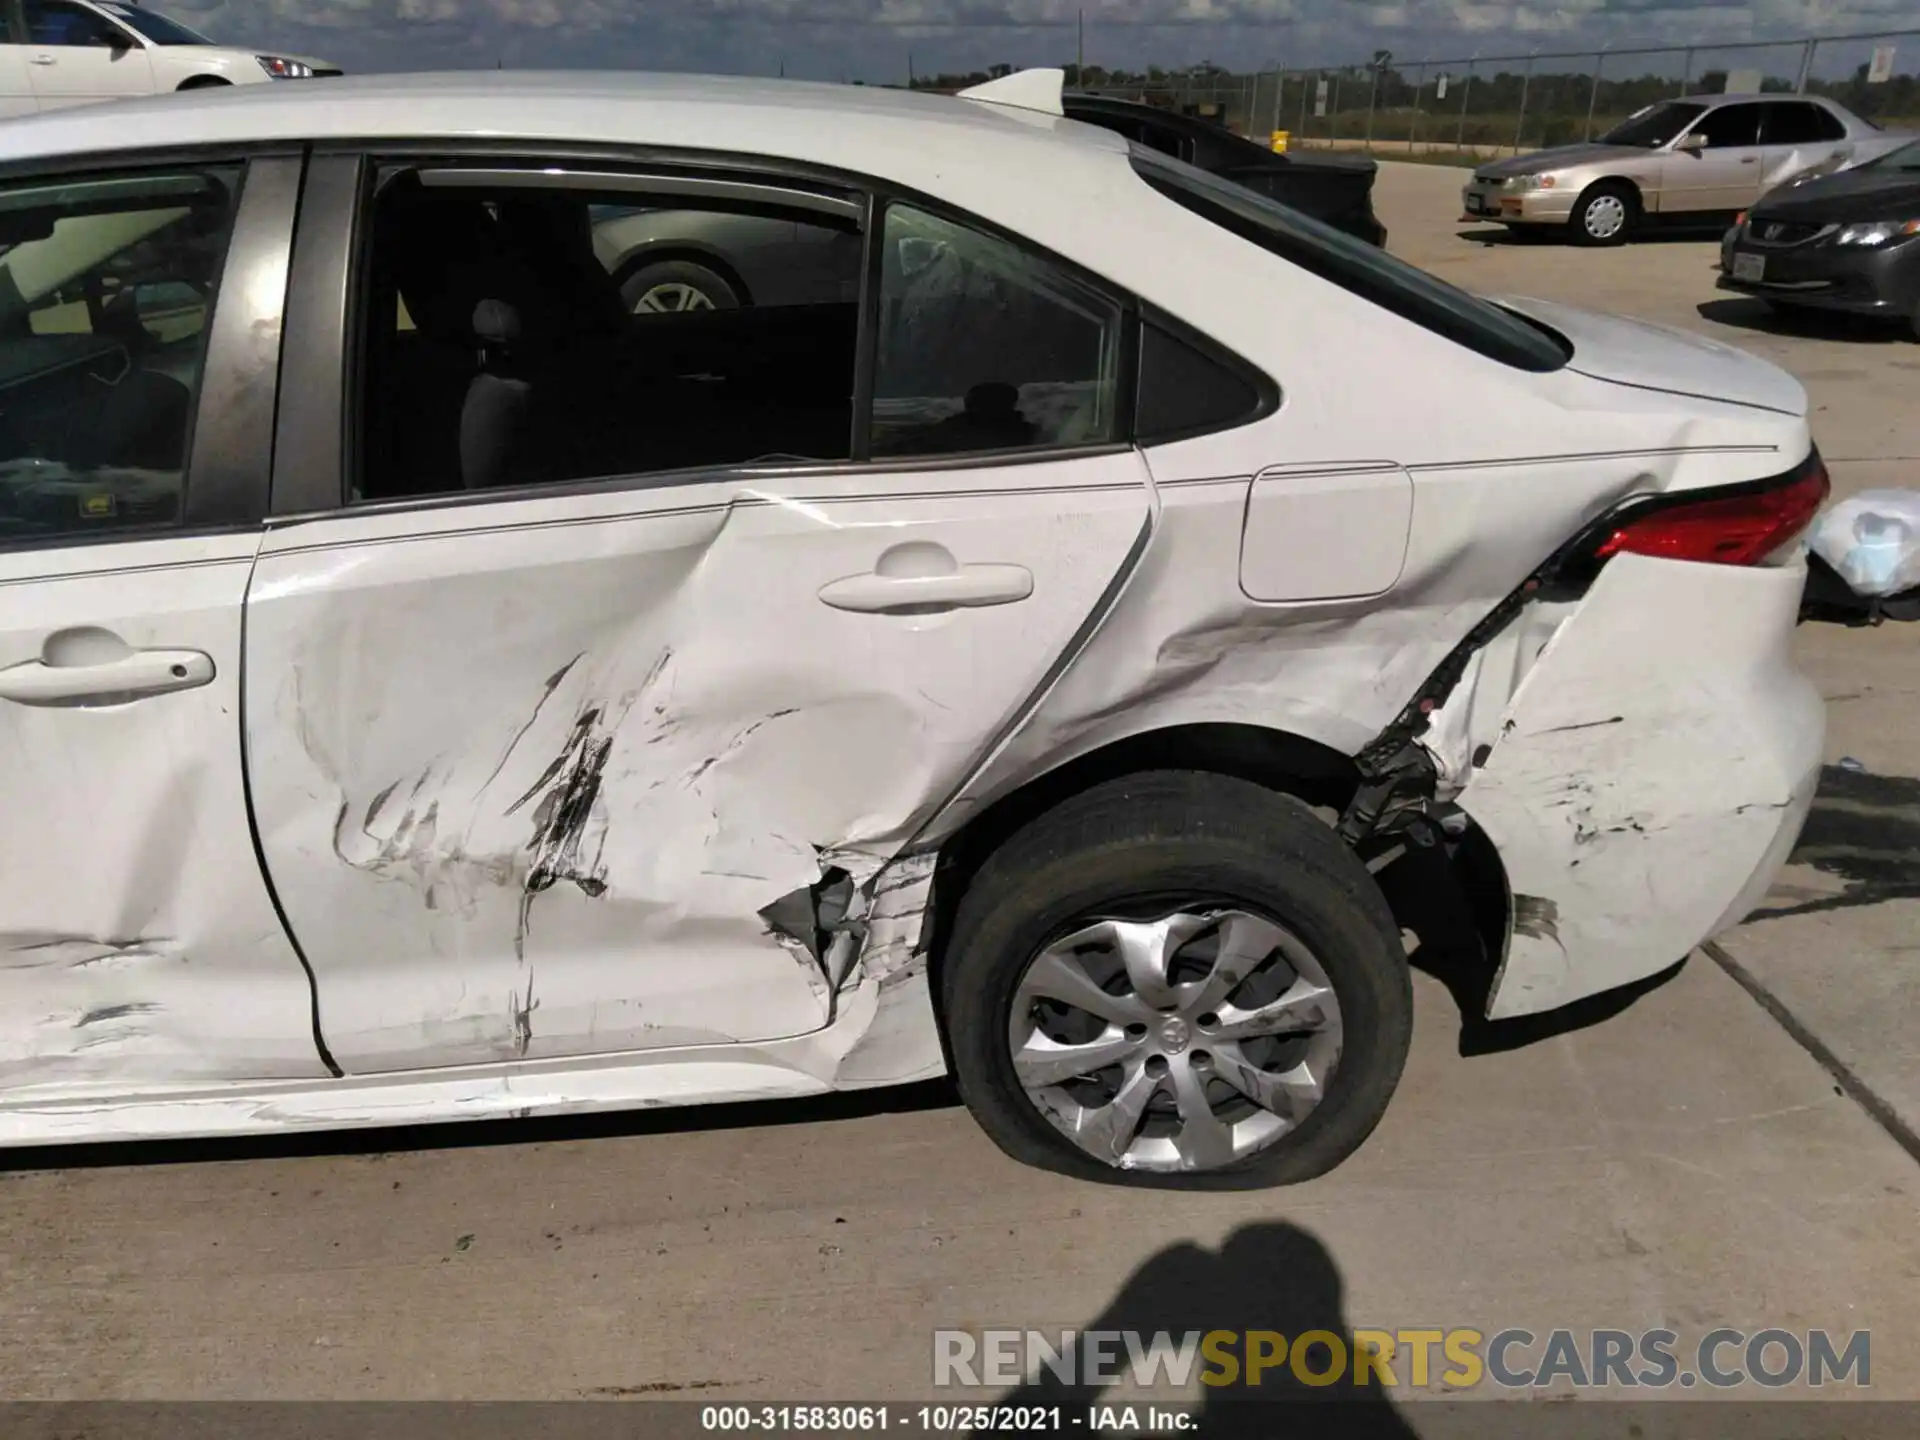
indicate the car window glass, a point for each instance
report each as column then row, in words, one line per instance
column 526, row 335
column 984, row 346
column 1184, row 390
column 1654, row 126
column 1730, row 126
column 161, row 29
column 1354, row 265
column 106, row 286
column 55, row 22
column 1798, row 123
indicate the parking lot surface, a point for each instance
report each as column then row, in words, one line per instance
column 1687, row 1162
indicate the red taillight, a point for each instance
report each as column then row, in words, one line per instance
column 1730, row 530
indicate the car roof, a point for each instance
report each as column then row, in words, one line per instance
column 1715, row 101
column 860, row 128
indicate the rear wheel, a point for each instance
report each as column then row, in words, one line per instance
column 1606, row 214
column 671, row 287
column 1178, row 979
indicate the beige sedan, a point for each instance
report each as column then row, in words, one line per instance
column 1695, row 161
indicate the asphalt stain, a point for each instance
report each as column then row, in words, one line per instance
column 1863, row 829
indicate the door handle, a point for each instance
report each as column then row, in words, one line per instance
column 42, row 60
column 962, row 588
column 1749, row 159
column 134, row 676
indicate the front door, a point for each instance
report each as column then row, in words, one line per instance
column 592, row 760
column 139, row 947
column 1723, row 174
column 76, row 56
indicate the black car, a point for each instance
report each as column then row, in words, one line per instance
column 1847, row 242
column 1335, row 189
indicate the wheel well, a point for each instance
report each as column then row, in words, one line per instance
column 1613, row 182
column 705, row 259
column 202, row 82
column 1292, row 764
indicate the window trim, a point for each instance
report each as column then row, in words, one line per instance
column 456, row 177
column 229, row 440
column 312, row 459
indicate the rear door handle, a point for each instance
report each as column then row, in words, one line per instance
column 136, row 676
column 963, row 588
column 43, row 60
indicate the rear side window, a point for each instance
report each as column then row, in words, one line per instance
column 1795, row 122
column 984, row 346
column 1355, row 266
column 106, row 287
column 1186, row 390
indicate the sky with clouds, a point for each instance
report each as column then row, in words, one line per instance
column 873, row 39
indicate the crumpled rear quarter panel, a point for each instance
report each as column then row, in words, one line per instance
column 1650, row 775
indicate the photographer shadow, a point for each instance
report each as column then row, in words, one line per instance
column 1265, row 1277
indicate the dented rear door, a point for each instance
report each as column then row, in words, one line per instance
column 558, row 776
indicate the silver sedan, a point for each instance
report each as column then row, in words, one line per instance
column 1694, row 160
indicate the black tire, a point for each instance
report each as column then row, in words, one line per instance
column 662, row 277
column 1596, row 209
column 1186, row 837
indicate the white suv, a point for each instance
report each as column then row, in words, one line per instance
column 74, row 52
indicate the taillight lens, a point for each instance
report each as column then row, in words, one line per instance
column 1739, row 529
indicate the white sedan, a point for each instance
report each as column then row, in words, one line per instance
column 79, row 52
column 432, row 690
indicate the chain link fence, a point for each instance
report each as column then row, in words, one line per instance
column 1480, row 106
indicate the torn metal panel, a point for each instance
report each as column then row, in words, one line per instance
column 138, row 944
column 1636, row 816
column 583, row 774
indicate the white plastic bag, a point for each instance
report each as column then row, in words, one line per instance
column 1872, row 540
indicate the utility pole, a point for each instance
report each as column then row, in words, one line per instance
column 909, row 69
column 1080, row 53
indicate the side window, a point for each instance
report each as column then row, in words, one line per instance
column 525, row 334
column 106, row 286
column 55, row 22
column 984, row 346
column 1730, row 126
column 1795, row 122
column 1185, row 390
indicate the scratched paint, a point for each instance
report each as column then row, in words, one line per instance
column 629, row 783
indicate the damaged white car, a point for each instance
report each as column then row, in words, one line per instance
column 432, row 690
